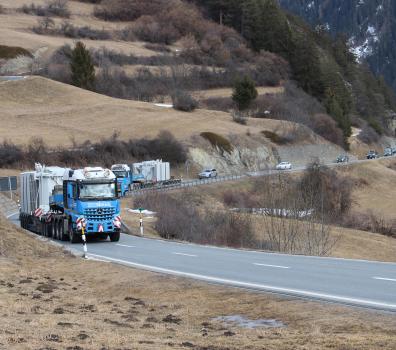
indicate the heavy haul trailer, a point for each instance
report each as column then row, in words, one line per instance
column 58, row 202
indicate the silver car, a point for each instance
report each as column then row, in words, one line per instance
column 208, row 173
column 284, row 166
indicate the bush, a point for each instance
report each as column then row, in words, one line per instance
column 10, row 155
column 52, row 8
column 218, row 141
column 325, row 192
column 368, row 135
column 2, row 10
column 178, row 218
column 274, row 137
column 239, row 117
column 47, row 26
column 9, row 52
column 105, row 152
column 183, row 101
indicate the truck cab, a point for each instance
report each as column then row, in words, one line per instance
column 125, row 177
column 89, row 196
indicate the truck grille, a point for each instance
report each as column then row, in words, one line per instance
column 99, row 214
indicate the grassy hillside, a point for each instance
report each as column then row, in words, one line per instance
column 57, row 112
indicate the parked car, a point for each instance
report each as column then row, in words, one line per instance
column 283, row 166
column 393, row 151
column 208, row 173
column 372, row 155
column 342, row 158
column 388, row 152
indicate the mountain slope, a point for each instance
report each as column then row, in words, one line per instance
column 369, row 25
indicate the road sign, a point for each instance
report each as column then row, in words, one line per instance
column 8, row 183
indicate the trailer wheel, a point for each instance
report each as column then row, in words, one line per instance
column 115, row 236
column 45, row 229
column 74, row 237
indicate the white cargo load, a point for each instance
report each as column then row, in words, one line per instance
column 37, row 186
column 153, row 170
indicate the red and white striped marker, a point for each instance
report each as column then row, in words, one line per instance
column 81, row 222
column 117, row 221
column 38, row 212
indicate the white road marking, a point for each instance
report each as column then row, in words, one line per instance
column 385, row 279
column 268, row 265
column 301, row 292
column 125, row 245
column 184, row 254
column 8, row 216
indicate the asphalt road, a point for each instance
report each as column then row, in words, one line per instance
column 352, row 282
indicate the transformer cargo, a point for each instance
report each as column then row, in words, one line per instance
column 58, row 202
column 145, row 174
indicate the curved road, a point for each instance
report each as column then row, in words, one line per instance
column 352, row 282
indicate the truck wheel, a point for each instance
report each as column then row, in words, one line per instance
column 115, row 236
column 52, row 229
column 62, row 235
column 74, row 237
column 56, row 229
column 45, row 229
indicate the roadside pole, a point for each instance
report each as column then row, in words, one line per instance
column 141, row 222
column 84, row 240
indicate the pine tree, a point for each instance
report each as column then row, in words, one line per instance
column 82, row 68
column 244, row 93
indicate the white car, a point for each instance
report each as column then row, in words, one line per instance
column 208, row 173
column 283, row 166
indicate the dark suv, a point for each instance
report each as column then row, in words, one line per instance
column 387, row 152
column 342, row 158
column 372, row 155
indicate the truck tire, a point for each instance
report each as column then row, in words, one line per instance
column 74, row 237
column 62, row 235
column 45, row 229
column 52, row 229
column 115, row 236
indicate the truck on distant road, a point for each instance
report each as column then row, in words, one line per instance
column 152, row 173
column 58, row 202
column 126, row 178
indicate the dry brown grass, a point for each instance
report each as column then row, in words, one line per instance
column 15, row 29
column 56, row 112
column 375, row 188
column 50, row 299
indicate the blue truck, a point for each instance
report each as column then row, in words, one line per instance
column 126, row 178
column 58, row 202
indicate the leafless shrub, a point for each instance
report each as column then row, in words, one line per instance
column 47, row 26
column 57, row 8
column 371, row 222
column 289, row 224
column 183, row 101
column 10, row 154
column 105, row 152
column 179, row 218
column 368, row 135
column 239, row 117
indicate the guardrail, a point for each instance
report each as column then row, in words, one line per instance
column 185, row 184
column 268, row 172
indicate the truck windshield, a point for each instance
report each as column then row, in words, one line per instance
column 120, row 173
column 106, row 190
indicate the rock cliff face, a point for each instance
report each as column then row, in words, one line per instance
column 368, row 24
